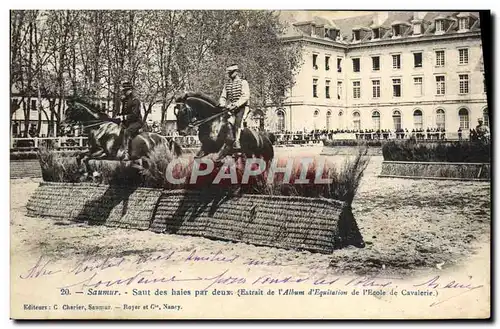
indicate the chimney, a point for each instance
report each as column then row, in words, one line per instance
column 419, row 15
column 381, row 17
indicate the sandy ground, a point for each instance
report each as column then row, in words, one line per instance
column 408, row 225
column 430, row 236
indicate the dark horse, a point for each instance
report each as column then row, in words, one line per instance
column 217, row 134
column 105, row 136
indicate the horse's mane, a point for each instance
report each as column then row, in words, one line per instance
column 198, row 95
column 91, row 105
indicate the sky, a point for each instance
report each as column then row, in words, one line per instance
column 305, row 15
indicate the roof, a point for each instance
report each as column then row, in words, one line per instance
column 371, row 21
column 323, row 21
column 346, row 25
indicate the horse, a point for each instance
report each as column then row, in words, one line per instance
column 215, row 133
column 105, row 136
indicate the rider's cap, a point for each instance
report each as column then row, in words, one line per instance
column 126, row 85
column 232, row 68
column 480, row 120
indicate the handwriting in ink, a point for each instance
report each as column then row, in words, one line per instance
column 436, row 284
column 39, row 269
column 217, row 257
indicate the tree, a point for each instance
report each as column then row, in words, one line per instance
column 163, row 53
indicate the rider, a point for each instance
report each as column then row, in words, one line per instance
column 235, row 97
column 482, row 131
column 132, row 119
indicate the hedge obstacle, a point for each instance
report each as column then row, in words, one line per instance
column 300, row 223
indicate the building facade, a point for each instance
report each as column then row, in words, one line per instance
column 386, row 71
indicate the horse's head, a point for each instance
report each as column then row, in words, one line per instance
column 184, row 116
column 80, row 111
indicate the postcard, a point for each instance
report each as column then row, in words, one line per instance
column 250, row 164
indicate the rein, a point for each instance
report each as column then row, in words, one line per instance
column 97, row 123
column 93, row 124
column 210, row 118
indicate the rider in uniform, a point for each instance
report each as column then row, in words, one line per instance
column 483, row 133
column 235, row 97
column 132, row 118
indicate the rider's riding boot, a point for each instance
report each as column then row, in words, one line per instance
column 125, row 147
column 236, row 144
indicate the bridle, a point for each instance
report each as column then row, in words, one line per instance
column 189, row 112
column 191, row 116
column 89, row 123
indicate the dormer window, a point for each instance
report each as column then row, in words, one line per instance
column 376, row 33
column 417, row 28
column 333, row 34
column 396, row 29
column 440, row 26
column 356, row 35
column 463, row 23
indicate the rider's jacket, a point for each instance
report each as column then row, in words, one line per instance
column 131, row 109
column 235, row 92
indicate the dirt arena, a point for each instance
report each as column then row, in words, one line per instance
column 408, row 226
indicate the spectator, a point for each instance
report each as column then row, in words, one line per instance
column 459, row 133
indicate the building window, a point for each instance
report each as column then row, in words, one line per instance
column 376, row 120
column 396, row 87
column 281, row 120
column 440, row 25
column 440, row 118
column 328, row 120
column 440, row 58
column 341, row 120
column 316, row 113
column 356, row 89
column 396, row 62
column 463, row 56
column 464, row 83
column 327, row 63
column 356, row 120
column 376, row 63
column 484, row 83
column 376, row 88
column 315, row 87
column 376, row 33
column 356, row 67
column 463, row 115
column 417, row 28
column 463, row 23
column 440, row 85
column 339, row 89
column 33, row 105
column 417, row 59
column 339, row 65
column 418, row 119
column 315, row 61
column 418, row 84
column 396, row 119
column 486, row 117
column 327, row 88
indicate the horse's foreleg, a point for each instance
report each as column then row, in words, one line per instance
column 87, row 157
column 200, row 153
column 79, row 158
